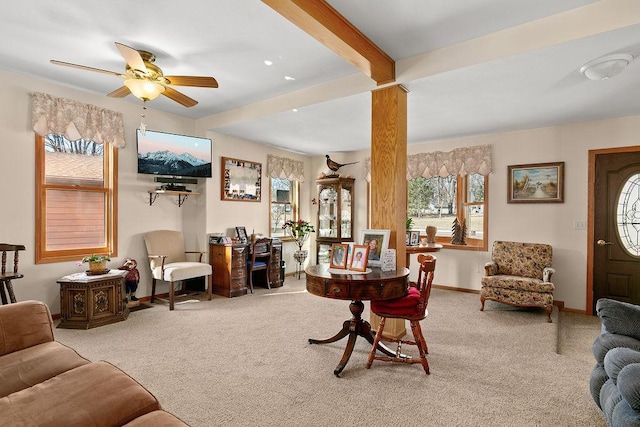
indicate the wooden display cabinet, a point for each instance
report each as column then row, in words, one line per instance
column 335, row 214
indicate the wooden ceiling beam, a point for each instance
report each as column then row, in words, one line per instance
column 321, row 21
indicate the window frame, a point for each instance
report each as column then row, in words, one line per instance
column 109, row 188
column 295, row 206
column 462, row 202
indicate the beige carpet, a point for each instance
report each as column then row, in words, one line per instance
column 246, row 361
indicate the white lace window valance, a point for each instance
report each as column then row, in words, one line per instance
column 283, row 167
column 76, row 120
column 461, row 161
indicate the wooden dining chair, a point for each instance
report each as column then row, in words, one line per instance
column 412, row 307
column 7, row 276
column 259, row 260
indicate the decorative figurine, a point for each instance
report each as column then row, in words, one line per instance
column 131, row 279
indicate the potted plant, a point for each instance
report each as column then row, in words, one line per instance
column 300, row 231
column 97, row 263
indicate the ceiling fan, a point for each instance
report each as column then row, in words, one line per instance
column 145, row 80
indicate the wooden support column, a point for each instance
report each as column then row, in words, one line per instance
column 389, row 177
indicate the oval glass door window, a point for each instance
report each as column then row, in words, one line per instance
column 628, row 216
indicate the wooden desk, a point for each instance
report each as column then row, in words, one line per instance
column 430, row 247
column 90, row 301
column 377, row 285
column 229, row 262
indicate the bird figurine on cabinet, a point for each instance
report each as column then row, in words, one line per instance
column 334, row 166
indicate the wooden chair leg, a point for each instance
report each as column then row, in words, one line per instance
column 172, row 295
column 421, row 344
column 2, row 294
column 209, row 287
column 549, row 310
column 250, row 279
column 374, row 347
column 12, row 297
column 153, row 290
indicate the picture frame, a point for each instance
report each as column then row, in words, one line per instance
column 338, row 258
column 241, row 231
column 241, row 180
column 359, row 258
column 381, row 238
column 414, row 240
column 536, row 183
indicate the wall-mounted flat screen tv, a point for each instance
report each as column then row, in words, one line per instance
column 169, row 154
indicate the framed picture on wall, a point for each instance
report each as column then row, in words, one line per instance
column 241, row 180
column 536, row 183
column 377, row 240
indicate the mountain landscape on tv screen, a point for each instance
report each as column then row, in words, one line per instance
column 175, row 164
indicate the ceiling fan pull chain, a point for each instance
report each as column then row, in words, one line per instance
column 143, row 127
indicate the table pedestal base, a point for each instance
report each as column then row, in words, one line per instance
column 353, row 327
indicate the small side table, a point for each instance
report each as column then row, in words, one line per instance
column 91, row 301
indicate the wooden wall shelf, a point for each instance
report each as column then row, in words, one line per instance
column 182, row 195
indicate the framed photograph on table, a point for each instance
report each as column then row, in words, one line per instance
column 536, row 183
column 242, row 234
column 377, row 240
column 339, row 255
column 359, row 258
column 414, row 238
column 241, row 180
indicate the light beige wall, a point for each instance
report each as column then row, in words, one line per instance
column 17, row 191
column 552, row 223
column 206, row 213
column 224, row 216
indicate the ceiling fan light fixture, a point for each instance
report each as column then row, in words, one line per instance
column 144, row 89
column 606, row 67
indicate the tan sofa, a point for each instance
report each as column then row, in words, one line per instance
column 44, row 383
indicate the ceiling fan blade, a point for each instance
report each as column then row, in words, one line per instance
column 83, row 67
column 132, row 56
column 192, row 81
column 179, row 97
column 121, row 92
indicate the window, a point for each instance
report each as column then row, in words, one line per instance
column 283, row 204
column 438, row 201
column 76, row 194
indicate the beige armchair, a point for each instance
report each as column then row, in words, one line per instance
column 168, row 262
column 519, row 274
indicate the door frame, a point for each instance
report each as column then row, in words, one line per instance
column 590, row 214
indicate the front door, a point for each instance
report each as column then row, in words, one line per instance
column 616, row 227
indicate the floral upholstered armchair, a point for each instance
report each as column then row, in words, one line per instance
column 519, row 274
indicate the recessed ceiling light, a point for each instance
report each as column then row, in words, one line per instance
column 606, row 66
column 267, row 62
column 295, row 110
column 289, row 78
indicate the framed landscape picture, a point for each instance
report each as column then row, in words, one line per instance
column 536, row 183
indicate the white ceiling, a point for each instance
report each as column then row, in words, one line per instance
column 471, row 66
